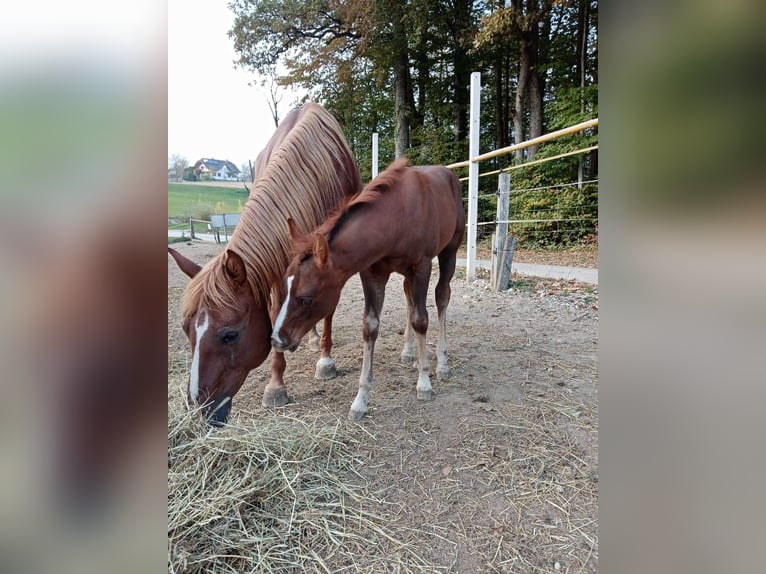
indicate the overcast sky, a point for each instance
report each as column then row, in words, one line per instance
column 212, row 112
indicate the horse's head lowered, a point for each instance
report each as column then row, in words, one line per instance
column 227, row 328
column 313, row 288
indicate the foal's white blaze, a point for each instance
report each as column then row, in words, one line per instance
column 199, row 330
column 283, row 312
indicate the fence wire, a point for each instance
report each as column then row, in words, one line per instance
column 528, row 189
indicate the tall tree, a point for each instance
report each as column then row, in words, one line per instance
column 460, row 33
column 177, row 163
column 523, row 22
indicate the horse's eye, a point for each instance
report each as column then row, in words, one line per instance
column 228, row 336
column 306, row 301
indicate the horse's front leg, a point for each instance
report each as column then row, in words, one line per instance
column 374, row 292
column 325, row 365
column 313, row 340
column 275, row 393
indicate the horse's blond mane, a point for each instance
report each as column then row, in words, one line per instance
column 305, row 178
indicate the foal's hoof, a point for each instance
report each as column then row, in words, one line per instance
column 325, row 369
column 442, row 373
column 275, row 397
column 355, row 415
column 408, row 358
column 425, row 395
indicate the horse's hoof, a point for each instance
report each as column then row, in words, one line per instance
column 314, row 345
column 355, row 415
column 425, row 395
column 442, row 373
column 325, row 369
column 275, row 397
column 408, row 358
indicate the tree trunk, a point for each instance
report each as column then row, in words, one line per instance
column 500, row 127
column 582, row 41
column 582, row 48
column 535, row 103
column 518, row 108
column 402, row 136
column 536, row 85
column 462, row 70
column 403, row 97
column 419, row 107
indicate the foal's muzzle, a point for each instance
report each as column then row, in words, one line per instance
column 279, row 345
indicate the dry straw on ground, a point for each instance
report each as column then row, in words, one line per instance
column 280, row 497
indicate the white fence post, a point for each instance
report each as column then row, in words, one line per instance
column 473, row 175
column 374, row 154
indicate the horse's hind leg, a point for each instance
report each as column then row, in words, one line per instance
column 408, row 354
column 314, row 341
column 419, row 322
column 325, row 365
column 447, row 259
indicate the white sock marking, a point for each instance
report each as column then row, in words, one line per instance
column 282, row 312
column 200, row 332
column 372, row 322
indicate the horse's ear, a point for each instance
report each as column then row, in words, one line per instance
column 186, row 265
column 234, row 266
column 321, row 251
column 292, row 229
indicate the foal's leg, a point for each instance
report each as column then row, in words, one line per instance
column 275, row 393
column 447, row 260
column 419, row 321
column 325, row 365
column 314, row 342
column 408, row 355
column 374, row 292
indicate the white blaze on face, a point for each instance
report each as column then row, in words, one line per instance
column 283, row 311
column 199, row 328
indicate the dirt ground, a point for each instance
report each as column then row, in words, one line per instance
column 499, row 472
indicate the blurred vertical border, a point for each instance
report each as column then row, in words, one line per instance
column 83, row 116
column 682, row 286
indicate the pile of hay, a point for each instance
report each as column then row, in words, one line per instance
column 284, row 496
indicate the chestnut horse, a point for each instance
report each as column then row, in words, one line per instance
column 399, row 222
column 304, row 173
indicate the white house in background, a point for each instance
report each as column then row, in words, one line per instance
column 216, row 170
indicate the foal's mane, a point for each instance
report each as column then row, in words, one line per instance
column 369, row 195
column 304, row 179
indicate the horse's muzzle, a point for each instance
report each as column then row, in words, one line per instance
column 279, row 345
column 218, row 413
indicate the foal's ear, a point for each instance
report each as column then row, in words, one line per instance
column 186, row 265
column 321, row 251
column 292, row 229
column 235, row 267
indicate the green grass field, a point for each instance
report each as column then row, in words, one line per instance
column 187, row 200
